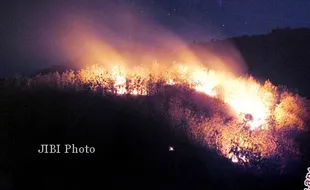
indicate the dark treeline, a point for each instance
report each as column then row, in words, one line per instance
column 281, row 56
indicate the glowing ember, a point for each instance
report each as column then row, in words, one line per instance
column 170, row 82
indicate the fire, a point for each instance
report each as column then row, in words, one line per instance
column 256, row 107
column 259, row 111
column 205, row 82
column 248, row 97
column 245, row 96
column 119, row 78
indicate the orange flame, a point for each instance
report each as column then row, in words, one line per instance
column 245, row 96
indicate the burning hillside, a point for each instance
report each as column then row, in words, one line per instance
column 258, row 115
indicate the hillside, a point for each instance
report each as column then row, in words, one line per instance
column 281, row 56
column 132, row 136
column 156, row 133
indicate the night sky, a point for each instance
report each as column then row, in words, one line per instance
column 32, row 32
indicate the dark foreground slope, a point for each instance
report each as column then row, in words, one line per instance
column 131, row 136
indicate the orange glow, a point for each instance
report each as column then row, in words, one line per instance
column 244, row 95
column 257, row 109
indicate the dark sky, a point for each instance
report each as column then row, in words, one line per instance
column 32, row 32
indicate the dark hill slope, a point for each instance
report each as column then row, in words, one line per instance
column 131, row 136
column 283, row 56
